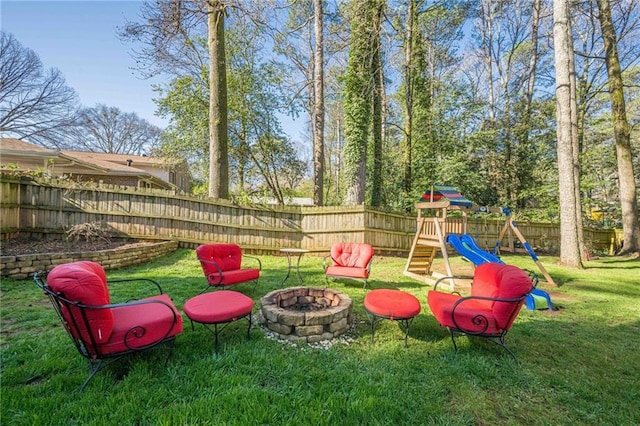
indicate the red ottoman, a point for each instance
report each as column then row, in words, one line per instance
column 392, row 305
column 219, row 307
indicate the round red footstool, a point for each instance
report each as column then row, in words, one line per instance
column 219, row 307
column 393, row 305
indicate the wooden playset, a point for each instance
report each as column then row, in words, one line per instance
column 435, row 228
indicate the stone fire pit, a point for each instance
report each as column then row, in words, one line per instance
column 307, row 314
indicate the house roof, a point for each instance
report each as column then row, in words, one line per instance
column 18, row 147
column 123, row 158
column 94, row 163
column 98, row 163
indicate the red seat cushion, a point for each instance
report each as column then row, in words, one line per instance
column 347, row 271
column 441, row 304
column 84, row 282
column 152, row 323
column 218, row 307
column 392, row 304
column 355, row 255
column 234, row 276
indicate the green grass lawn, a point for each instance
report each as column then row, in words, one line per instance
column 578, row 365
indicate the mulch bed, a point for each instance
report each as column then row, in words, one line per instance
column 21, row 245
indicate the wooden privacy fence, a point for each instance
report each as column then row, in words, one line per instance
column 30, row 206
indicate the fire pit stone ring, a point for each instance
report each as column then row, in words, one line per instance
column 306, row 314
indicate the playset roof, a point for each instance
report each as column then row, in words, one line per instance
column 445, row 193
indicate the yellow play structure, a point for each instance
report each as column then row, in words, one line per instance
column 436, row 228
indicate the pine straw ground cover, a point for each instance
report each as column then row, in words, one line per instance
column 578, row 365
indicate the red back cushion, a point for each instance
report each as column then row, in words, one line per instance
column 505, row 282
column 84, row 282
column 227, row 256
column 513, row 283
column 485, row 282
column 355, row 255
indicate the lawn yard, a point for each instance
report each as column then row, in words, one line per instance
column 578, row 365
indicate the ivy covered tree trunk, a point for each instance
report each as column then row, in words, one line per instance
column 487, row 47
column 408, row 96
column 318, row 111
column 563, row 50
column 218, row 144
column 628, row 194
column 376, row 116
column 357, row 101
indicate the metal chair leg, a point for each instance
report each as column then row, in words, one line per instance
column 94, row 367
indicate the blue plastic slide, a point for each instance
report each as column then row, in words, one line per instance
column 469, row 241
column 468, row 248
column 538, row 299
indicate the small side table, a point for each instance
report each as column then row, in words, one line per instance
column 290, row 252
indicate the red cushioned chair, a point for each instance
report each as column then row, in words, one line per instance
column 222, row 265
column 349, row 260
column 497, row 294
column 101, row 330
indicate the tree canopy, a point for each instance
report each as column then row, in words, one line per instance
column 396, row 96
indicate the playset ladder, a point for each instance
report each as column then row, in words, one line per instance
column 425, row 249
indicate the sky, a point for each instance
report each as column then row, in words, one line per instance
column 79, row 37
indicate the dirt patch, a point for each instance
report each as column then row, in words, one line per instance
column 18, row 246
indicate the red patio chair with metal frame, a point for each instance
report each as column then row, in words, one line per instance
column 103, row 331
column 349, row 260
column 222, row 265
column 498, row 292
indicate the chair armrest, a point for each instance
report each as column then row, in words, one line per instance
column 534, row 278
column 492, row 299
column 211, row 276
column 325, row 264
column 369, row 265
column 435, row 286
column 129, row 280
column 40, row 278
column 481, row 321
column 245, row 256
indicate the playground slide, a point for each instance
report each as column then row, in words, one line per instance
column 468, row 240
column 471, row 251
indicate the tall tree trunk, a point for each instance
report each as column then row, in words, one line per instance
column 522, row 130
column 318, row 107
column 357, row 101
column 376, row 115
column 628, row 195
column 569, row 248
column 487, row 43
column 533, row 60
column 575, row 143
column 218, row 144
column 408, row 96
